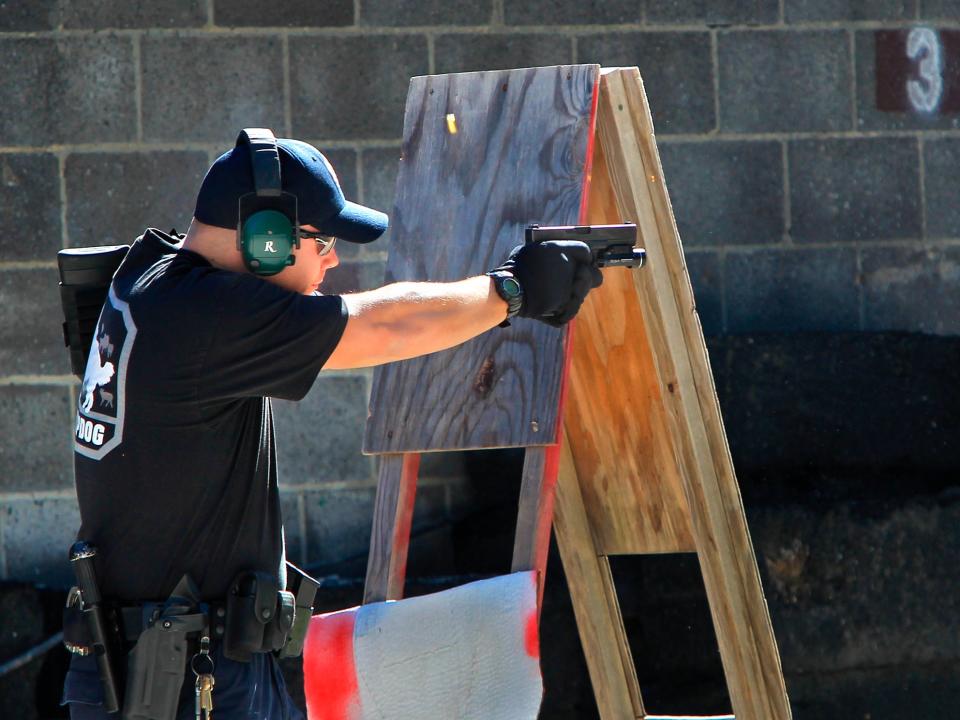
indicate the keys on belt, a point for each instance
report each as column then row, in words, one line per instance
column 202, row 666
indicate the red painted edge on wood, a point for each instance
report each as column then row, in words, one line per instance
column 588, row 164
column 404, row 521
column 551, row 469
column 582, row 219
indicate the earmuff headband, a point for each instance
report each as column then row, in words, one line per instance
column 265, row 159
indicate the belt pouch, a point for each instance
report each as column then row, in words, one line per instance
column 156, row 667
column 275, row 634
column 251, row 605
column 304, row 589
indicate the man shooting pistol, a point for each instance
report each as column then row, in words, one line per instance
column 182, row 342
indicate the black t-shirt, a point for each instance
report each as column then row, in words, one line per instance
column 175, row 456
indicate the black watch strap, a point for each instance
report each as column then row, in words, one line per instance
column 508, row 288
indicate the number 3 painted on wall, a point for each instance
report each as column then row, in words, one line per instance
column 925, row 93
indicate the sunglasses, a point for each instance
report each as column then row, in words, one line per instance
column 325, row 243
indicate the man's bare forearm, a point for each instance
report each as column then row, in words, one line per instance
column 407, row 319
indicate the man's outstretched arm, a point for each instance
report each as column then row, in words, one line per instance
column 409, row 319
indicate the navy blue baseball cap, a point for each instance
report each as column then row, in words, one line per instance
column 304, row 172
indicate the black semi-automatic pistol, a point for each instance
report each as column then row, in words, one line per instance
column 611, row 245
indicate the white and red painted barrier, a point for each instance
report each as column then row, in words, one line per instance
column 469, row 652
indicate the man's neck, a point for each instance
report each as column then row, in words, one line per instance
column 217, row 245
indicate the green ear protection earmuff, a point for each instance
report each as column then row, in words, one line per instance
column 267, row 227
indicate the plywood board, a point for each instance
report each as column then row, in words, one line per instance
column 484, row 154
column 616, row 423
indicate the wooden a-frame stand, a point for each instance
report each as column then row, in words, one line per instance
column 625, row 447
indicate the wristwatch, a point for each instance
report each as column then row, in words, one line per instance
column 509, row 288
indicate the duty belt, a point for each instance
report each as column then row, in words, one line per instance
column 156, row 638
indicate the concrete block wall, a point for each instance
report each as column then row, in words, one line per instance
column 801, row 206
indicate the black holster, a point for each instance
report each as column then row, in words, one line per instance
column 157, row 664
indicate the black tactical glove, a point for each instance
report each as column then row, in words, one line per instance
column 555, row 277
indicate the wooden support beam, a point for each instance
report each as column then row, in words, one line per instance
column 392, row 518
column 740, row 616
column 594, row 599
column 531, row 542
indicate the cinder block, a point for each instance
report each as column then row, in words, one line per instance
column 283, row 13
column 338, row 525
column 821, row 10
column 912, row 288
column 353, row 87
column 784, row 81
column 448, row 466
column 344, row 163
column 824, row 570
column 68, row 90
column 31, row 318
column 380, row 169
column 37, row 452
column 429, row 507
column 426, row 12
column 24, row 626
column 26, row 16
column 781, row 290
column 725, row 193
column 794, row 408
column 292, row 532
column 37, row 535
column 918, row 690
column 713, row 12
column 469, row 53
column 706, row 270
column 208, row 89
column 869, row 117
column 939, row 9
column 113, row 197
column 124, row 14
column 858, row 189
column 319, row 438
column 29, row 207
column 676, row 69
column 941, row 164
column 572, row 12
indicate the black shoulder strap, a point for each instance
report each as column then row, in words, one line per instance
column 265, row 159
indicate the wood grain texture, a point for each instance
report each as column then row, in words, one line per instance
column 618, row 428
column 741, row 619
column 390, row 536
column 594, row 599
column 463, row 199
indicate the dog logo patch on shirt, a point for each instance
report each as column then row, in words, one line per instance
column 101, row 404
